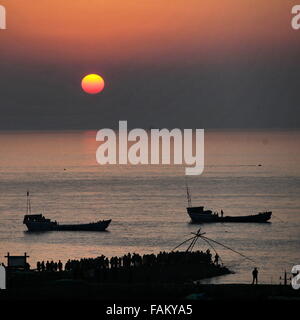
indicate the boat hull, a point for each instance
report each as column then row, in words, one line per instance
column 38, row 226
column 206, row 218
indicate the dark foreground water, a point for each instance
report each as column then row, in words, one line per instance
column 147, row 203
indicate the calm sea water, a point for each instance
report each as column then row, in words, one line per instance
column 147, row 203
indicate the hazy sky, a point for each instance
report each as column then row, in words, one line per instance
column 179, row 63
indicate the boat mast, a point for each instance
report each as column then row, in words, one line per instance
column 28, row 203
column 188, row 195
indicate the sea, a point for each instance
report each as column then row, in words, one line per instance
column 245, row 172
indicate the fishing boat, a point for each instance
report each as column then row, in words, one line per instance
column 37, row 222
column 200, row 215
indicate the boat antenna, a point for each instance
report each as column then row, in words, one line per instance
column 188, row 195
column 28, row 203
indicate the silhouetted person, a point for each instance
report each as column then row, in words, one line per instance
column 254, row 276
column 38, row 266
column 60, row 266
column 68, row 265
column 208, row 255
column 216, row 259
column 222, row 213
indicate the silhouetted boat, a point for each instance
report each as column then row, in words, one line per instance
column 199, row 215
column 37, row 222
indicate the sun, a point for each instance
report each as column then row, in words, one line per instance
column 92, row 83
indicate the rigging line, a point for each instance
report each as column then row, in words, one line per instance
column 228, row 248
column 183, row 243
column 190, row 247
column 278, row 218
column 213, row 248
column 196, row 241
column 198, row 235
column 193, row 243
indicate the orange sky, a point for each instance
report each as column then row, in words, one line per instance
column 122, row 30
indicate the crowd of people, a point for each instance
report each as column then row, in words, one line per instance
column 130, row 261
column 49, row 266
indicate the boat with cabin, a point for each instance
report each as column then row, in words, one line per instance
column 200, row 215
column 37, row 222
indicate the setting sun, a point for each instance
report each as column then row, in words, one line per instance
column 92, row 83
